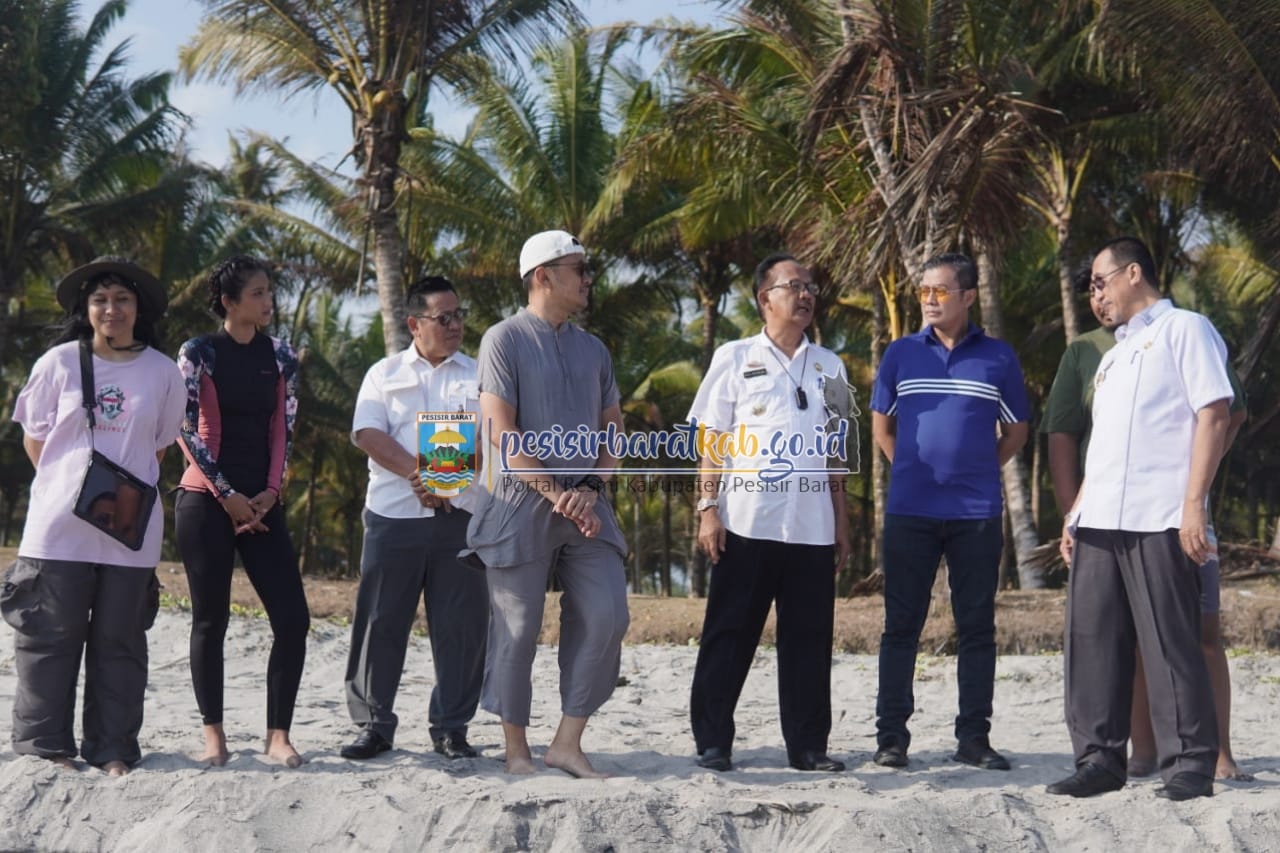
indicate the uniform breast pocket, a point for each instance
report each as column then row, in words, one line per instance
column 464, row 395
column 759, row 404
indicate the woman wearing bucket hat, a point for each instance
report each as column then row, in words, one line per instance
column 84, row 582
column 241, row 392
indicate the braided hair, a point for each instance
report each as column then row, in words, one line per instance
column 229, row 279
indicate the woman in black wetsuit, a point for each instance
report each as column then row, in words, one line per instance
column 241, row 403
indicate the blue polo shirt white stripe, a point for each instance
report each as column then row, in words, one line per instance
column 947, row 404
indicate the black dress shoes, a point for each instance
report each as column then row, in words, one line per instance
column 366, row 745
column 454, row 745
column 715, row 758
column 1088, row 780
column 811, row 759
column 891, row 754
column 1186, row 786
column 977, row 751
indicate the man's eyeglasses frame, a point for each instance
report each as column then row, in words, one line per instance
column 446, row 318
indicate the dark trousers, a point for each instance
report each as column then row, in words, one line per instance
column 752, row 574
column 208, row 543
column 913, row 546
column 60, row 611
column 1127, row 589
column 404, row 560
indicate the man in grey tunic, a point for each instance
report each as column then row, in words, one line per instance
column 541, row 377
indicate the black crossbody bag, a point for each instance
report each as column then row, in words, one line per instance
column 111, row 499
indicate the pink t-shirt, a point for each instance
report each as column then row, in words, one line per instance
column 139, row 411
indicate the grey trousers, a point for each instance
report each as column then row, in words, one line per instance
column 593, row 621
column 61, row 609
column 1141, row 588
column 405, row 559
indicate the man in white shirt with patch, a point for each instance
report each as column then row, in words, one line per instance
column 773, row 522
column 412, row 539
column 1138, row 530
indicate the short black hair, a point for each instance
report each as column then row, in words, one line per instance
column 415, row 298
column 230, row 277
column 766, row 266
column 1130, row 250
column 962, row 265
column 763, row 269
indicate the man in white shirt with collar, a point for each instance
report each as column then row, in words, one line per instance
column 1137, row 531
column 774, row 537
column 412, row 539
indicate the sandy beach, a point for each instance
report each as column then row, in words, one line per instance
column 413, row 799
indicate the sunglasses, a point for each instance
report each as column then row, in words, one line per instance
column 942, row 294
column 583, row 270
column 446, row 319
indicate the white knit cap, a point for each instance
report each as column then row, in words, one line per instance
column 548, row 246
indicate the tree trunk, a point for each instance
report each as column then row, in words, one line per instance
column 383, row 135
column 879, row 471
column 637, row 522
column 388, row 264
column 698, row 570
column 1066, row 286
column 666, row 537
column 1017, row 498
column 1275, row 541
column 308, row 524
column 9, row 508
column 710, row 316
column 1017, row 493
column 1037, row 474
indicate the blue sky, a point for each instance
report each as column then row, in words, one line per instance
column 317, row 126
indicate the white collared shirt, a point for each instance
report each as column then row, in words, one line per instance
column 1167, row 365
column 752, row 383
column 394, row 390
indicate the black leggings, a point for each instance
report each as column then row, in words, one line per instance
column 207, row 543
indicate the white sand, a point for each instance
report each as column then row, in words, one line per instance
column 413, row 799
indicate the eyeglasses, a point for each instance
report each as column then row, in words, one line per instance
column 446, row 319
column 942, row 294
column 583, row 270
column 1099, row 282
column 796, row 285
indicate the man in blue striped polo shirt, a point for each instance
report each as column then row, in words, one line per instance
column 948, row 409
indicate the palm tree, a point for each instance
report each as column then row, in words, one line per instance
column 941, row 95
column 74, row 137
column 383, row 59
column 1227, row 122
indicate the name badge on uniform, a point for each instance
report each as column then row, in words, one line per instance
column 754, row 370
column 447, row 451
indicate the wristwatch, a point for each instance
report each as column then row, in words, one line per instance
column 706, row 503
column 592, row 482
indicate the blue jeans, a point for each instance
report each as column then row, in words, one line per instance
column 913, row 546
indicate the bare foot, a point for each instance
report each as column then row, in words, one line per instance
column 63, row 761
column 573, row 762
column 116, row 768
column 1228, row 770
column 281, row 750
column 521, row 765
column 1141, row 767
column 215, row 746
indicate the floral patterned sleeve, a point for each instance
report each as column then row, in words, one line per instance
column 195, row 362
column 283, row 421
